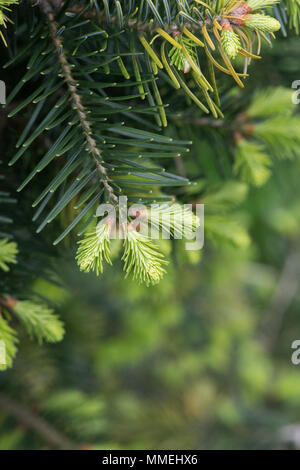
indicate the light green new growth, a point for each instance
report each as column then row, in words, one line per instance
column 270, row 101
column 140, row 255
column 222, row 229
column 8, row 253
column 172, row 38
column 94, row 248
column 280, row 134
column 142, row 259
column 39, row 321
column 272, row 126
column 231, row 43
column 252, row 163
column 258, row 4
column 178, row 58
column 175, row 220
column 274, row 122
column 263, row 23
column 4, row 4
column 8, row 336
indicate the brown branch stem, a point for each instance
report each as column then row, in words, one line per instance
column 137, row 24
column 76, row 99
column 29, row 419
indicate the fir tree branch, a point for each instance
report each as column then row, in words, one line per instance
column 38, row 319
column 80, row 109
column 137, row 24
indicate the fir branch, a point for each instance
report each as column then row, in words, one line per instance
column 39, row 321
column 137, row 24
column 37, row 318
column 78, row 106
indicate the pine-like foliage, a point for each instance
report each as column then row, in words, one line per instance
column 269, row 127
column 38, row 320
column 97, row 95
column 115, row 102
column 288, row 13
column 98, row 74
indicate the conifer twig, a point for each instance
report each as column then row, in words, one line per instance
column 47, row 8
column 137, row 24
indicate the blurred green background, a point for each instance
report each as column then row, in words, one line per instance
column 201, row 361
